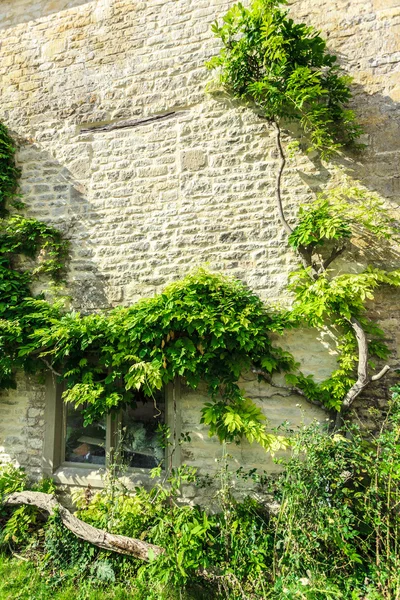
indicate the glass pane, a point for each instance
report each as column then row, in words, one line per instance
column 142, row 445
column 84, row 444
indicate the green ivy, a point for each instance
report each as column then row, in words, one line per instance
column 22, row 240
column 206, row 327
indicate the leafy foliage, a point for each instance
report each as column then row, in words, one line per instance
column 336, row 299
column 205, row 327
column 333, row 534
column 18, row 527
column 338, row 496
column 339, row 214
column 285, row 70
column 22, row 239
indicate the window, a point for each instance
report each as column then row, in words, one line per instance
column 135, row 430
column 83, row 444
column 140, row 436
column 69, row 444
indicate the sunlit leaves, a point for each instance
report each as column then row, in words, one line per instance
column 239, row 419
column 285, row 70
column 339, row 214
column 205, row 327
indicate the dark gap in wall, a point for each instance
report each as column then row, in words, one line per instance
column 125, row 124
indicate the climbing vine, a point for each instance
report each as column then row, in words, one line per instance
column 284, row 71
column 206, row 327
column 23, row 241
column 209, row 327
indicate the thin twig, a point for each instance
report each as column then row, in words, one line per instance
column 49, row 366
column 125, row 124
column 291, row 390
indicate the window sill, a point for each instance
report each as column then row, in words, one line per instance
column 82, row 475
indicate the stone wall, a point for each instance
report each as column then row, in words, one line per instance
column 22, row 425
column 143, row 204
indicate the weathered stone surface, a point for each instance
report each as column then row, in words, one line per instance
column 22, row 425
column 143, row 205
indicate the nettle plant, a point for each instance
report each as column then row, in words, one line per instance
column 284, row 71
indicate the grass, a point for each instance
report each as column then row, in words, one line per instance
column 21, row 580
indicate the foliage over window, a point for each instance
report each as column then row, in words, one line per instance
column 205, row 327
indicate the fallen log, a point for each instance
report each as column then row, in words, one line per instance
column 84, row 531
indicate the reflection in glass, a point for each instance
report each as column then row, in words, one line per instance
column 84, row 444
column 142, row 444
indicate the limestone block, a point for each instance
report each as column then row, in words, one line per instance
column 193, row 160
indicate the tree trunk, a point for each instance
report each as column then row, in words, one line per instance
column 88, row 533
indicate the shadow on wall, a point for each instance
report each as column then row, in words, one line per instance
column 25, row 11
column 63, row 204
column 377, row 166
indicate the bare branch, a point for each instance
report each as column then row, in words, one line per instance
column 289, row 389
column 337, row 251
column 125, row 124
column 305, row 254
column 84, row 531
column 381, row 373
column 362, row 371
column 49, row 366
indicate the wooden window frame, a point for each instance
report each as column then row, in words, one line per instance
column 55, row 433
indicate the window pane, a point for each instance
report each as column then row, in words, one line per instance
column 141, row 443
column 84, row 444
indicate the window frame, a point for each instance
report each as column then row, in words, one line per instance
column 54, row 464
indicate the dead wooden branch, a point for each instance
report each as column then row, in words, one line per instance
column 88, row 533
column 362, row 371
column 129, row 123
